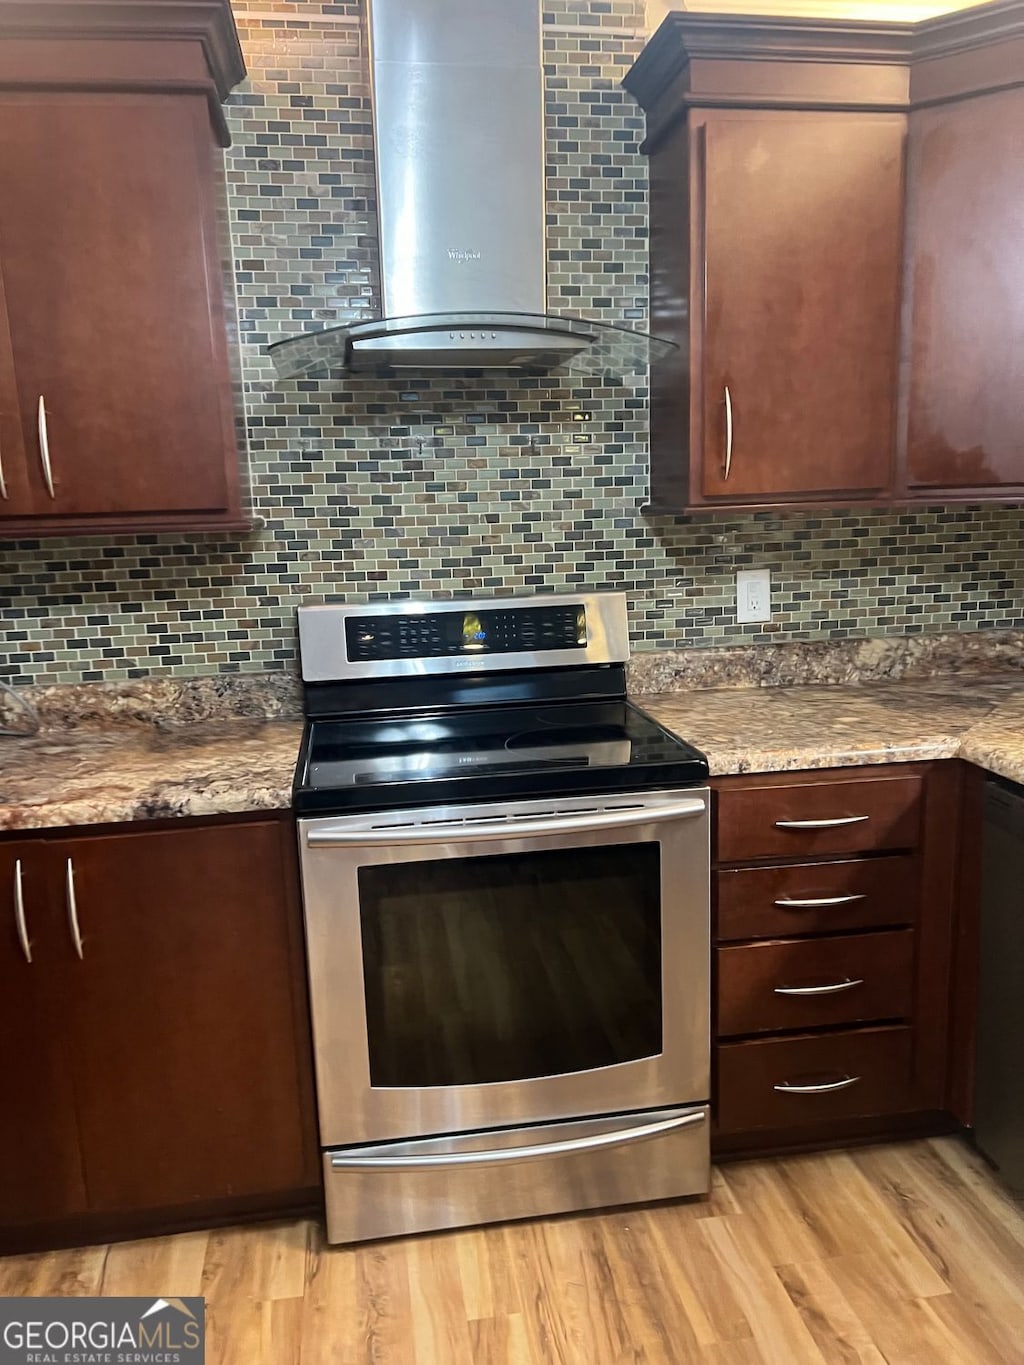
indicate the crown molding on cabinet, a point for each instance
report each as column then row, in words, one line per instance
column 207, row 23
column 721, row 60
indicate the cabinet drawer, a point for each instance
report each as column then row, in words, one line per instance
column 845, row 980
column 791, row 1082
column 816, row 898
column 810, row 819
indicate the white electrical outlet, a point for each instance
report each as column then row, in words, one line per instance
column 753, row 595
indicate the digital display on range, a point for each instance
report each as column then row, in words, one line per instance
column 440, row 634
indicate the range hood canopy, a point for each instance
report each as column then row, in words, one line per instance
column 458, row 107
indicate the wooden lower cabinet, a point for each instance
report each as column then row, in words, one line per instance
column 834, row 953
column 167, row 1069
column 40, row 1159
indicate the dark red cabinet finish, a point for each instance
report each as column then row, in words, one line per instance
column 113, row 307
column 40, row 1160
column 798, row 295
column 837, row 248
column 164, row 1077
column 836, row 908
column 119, row 400
column 964, row 329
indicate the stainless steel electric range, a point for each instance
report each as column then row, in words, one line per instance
column 505, row 871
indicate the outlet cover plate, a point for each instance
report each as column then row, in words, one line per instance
column 753, row 595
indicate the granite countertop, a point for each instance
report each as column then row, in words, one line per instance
column 785, row 729
column 84, row 777
column 150, row 750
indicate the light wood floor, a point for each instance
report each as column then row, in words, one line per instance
column 905, row 1254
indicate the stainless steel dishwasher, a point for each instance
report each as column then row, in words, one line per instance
column 999, row 1096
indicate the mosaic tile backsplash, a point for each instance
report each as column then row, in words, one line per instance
column 364, row 497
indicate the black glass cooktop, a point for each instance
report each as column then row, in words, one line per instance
column 353, row 764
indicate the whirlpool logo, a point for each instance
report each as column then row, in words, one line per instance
column 95, row 1331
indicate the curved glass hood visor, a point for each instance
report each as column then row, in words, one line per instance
column 487, row 341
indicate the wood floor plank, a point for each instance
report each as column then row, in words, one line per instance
column 165, row 1267
column 774, row 1321
column 60, row 1274
column 501, row 1341
column 973, row 1252
column 906, row 1330
column 971, row 1169
column 848, row 1214
column 840, row 1335
column 437, row 1310
column 338, row 1315
column 907, row 1254
column 786, row 1228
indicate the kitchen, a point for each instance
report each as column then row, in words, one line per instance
column 148, row 830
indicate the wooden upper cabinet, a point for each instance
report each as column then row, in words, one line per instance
column 837, row 248
column 118, row 387
column 795, row 333
column 964, row 321
column 113, row 304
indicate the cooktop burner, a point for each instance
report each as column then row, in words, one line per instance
column 476, row 755
column 528, row 701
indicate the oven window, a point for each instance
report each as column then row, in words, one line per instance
column 507, row 968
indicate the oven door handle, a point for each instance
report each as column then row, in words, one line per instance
column 458, row 831
column 617, row 1138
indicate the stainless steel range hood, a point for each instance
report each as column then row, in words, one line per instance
column 458, row 101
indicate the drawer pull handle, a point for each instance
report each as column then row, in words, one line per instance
column 833, row 988
column 819, row 902
column 822, row 824
column 786, row 1088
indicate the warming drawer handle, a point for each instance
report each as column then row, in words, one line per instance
column 786, row 1088
column 818, row 902
column 456, row 833
column 833, row 988
column 617, row 1138
column 822, row 824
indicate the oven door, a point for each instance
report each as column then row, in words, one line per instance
column 483, row 966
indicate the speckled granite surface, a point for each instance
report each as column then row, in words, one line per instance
column 828, row 662
column 228, row 745
column 137, row 773
column 785, row 729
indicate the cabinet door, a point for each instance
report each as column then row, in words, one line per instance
column 802, row 223
column 111, row 282
column 965, row 311
column 187, row 1018
column 15, row 491
column 40, row 1167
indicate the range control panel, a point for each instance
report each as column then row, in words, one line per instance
column 442, row 634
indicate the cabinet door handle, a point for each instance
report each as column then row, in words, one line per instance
column 786, row 1088
column 818, row 902
column 822, row 824
column 19, row 912
column 833, row 988
column 72, row 902
column 3, row 481
column 727, row 470
column 44, row 448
